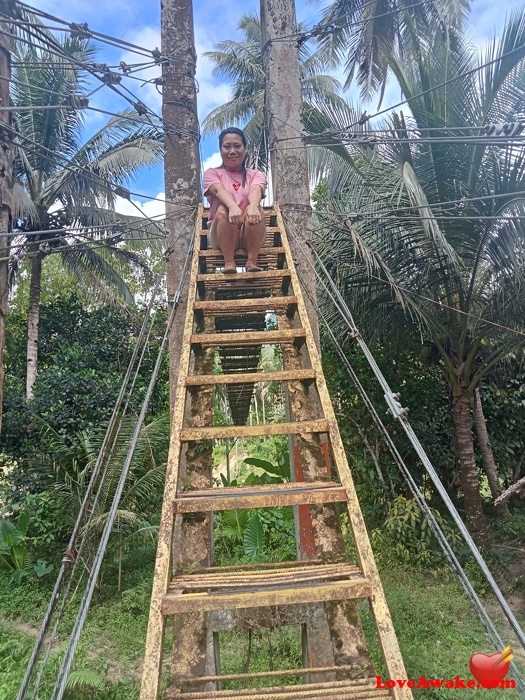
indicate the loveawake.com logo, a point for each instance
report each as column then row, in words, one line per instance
column 488, row 672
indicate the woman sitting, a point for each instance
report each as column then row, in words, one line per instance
column 235, row 192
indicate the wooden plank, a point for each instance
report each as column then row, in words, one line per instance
column 263, row 276
column 270, row 497
column 385, row 629
column 249, row 338
column 150, row 686
column 250, row 377
column 218, row 433
column 285, row 595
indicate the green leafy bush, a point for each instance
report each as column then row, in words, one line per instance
column 406, row 535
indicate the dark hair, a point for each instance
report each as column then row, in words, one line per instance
column 237, row 132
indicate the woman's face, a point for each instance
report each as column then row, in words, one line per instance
column 232, row 151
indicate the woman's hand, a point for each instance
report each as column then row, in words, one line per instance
column 252, row 215
column 235, row 215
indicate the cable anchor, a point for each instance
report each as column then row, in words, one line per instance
column 353, row 216
column 125, row 68
column 140, row 108
column 110, row 78
column 505, row 129
column 77, row 101
column 80, row 31
column 121, row 192
column 394, row 406
column 69, row 557
column 157, row 56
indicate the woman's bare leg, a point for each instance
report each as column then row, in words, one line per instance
column 252, row 239
column 226, row 235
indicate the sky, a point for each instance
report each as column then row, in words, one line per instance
column 138, row 22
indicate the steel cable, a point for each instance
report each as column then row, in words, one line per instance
column 65, row 667
column 399, row 414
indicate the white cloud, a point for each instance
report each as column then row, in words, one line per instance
column 153, row 208
column 212, row 161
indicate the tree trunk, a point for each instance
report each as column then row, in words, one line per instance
column 33, row 320
column 487, row 456
column 468, row 471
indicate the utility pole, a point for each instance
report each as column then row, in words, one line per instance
column 320, row 535
column 6, row 185
column 288, row 158
column 193, row 652
column 181, row 151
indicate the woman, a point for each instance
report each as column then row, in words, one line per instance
column 235, row 192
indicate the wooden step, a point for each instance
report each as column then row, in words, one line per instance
column 250, row 377
column 267, row 496
column 241, row 252
column 280, row 673
column 297, row 336
column 358, row 689
column 250, row 277
column 221, row 432
column 290, row 585
column 227, row 307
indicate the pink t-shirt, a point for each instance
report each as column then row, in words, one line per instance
column 232, row 182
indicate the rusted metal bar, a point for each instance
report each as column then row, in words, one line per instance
column 249, row 337
column 224, row 307
column 251, row 377
column 361, row 689
column 211, row 253
column 264, row 276
column 286, row 595
column 218, row 433
column 192, row 502
column 270, row 674
column 221, row 579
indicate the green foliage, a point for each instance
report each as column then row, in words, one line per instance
column 78, row 382
column 264, row 533
column 14, row 550
column 254, row 540
column 406, row 537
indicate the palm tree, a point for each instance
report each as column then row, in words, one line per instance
column 240, row 62
column 68, row 467
column 63, row 181
column 441, row 241
column 363, row 33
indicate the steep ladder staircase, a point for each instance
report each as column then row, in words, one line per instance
column 228, row 312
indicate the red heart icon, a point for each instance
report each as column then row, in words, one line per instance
column 236, row 186
column 489, row 669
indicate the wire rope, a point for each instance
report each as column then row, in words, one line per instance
column 22, row 693
column 450, row 556
column 65, row 667
column 400, row 414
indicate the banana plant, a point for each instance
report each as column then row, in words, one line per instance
column 14, row 553
column 253, row 528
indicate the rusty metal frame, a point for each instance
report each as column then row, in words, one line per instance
column 150, row 685
column 252, row 586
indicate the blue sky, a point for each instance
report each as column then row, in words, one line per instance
column 139, row 22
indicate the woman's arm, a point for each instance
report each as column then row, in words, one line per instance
column 253, row 212
column 224, row 197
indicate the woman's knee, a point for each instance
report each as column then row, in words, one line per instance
column 222, row 214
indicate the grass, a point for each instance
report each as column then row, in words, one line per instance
column 437, row 628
